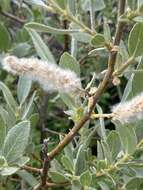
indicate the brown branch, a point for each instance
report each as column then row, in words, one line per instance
column 57, row 184
column 11, row 16
column 51, row 132
column 42, row 110
column 54, row 185
column 103, row 85
column 46, row 164
column 31, row 169
column 66, row 37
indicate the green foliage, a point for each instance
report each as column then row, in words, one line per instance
column 135, row 40
column 77, row 35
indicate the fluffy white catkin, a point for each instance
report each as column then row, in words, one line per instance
column 129, row 111
column 50, row 76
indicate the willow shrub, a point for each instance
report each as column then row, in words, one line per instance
column 89, row 145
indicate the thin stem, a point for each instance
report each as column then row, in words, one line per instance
column 103, row 85
column 57, row 184
column 52, row 185
column 46, row 164
column 92, row 15
column 31, row 169
column 70, row 17
column 13, row 17
column 51, row 132
column 97, row 116
column 130, row 61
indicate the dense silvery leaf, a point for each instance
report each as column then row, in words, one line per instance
column 71, row 6
column 48, row 29
column 9, row 122
column 20, row 161
column 137, row 85
column 102, row 131
column 67, row 163
column 90, row 136
column 97, row 5
column 21, row 50
column 103, row 185
column 2, row 131
column 122, row 55
column 23, row 89
column 42, row 49
column 138, row 19
column 82, row 37
column 85, row 178
column 134, row 85
column 11, row 116
column 98, row 41
column 8, row 96
column 107, row 32
column 38, row 3
column 79, row 165
column 113, row 141
column 128, row 88
column 135, row 44
column 76, row 185
column 16, row 141
column 28, row 178
column 34, row 118
column 68, row 100
column 100, row 154
column 28, row 108
column 6, row 171
column 106, row 151
column 69, row 62
column 3, row 162
column 74, row 45
column 58, row 177
column 56, row 166
column 127, row 137
column 134, row 183
column 68, row 150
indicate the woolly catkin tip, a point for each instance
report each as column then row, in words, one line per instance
column 50, row 76
column 129, row 111
column 9, row 62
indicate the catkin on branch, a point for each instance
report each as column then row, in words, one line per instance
column 129, row 111
column 50, row 76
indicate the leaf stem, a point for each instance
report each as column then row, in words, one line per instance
column 130, row 61
column 97, row 116
column 92, row 15
column 70, row 17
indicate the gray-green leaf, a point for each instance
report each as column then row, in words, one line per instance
column 135, row 41
column 42, row 49
column 16, row 141
column 69, row 62
column 23, row 89
column 85, row 178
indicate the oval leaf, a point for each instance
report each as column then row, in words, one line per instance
column 16, row 141
column 135, row 42
column 23, row 89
